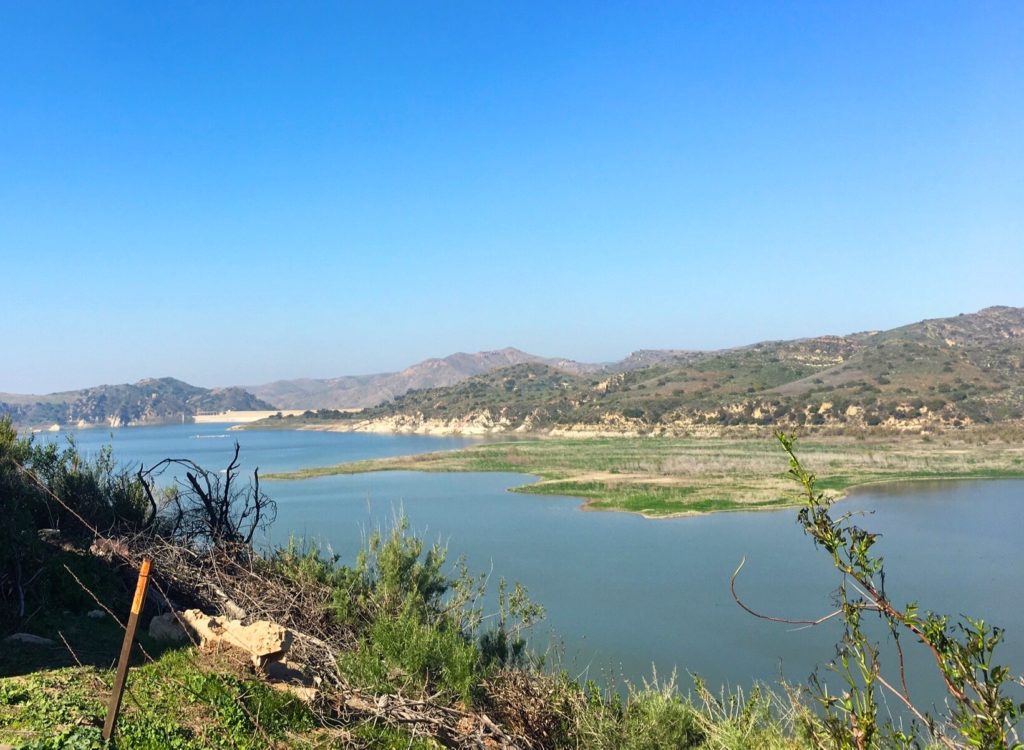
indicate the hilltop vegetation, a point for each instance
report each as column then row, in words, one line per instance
column 945, row 373
column 149, row 401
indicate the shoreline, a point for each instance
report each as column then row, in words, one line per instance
column 237, row 417
column 668, row 477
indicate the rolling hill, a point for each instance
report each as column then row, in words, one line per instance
column 947, row 372
column 356, row 391
column 149, row 401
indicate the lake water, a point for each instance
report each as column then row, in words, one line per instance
column 624, row 592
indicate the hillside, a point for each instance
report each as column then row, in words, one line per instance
column 148, row 401
column 947, row 372
column 363, row 391
column 355, row 391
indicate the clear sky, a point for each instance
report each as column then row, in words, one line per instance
column 238, row 192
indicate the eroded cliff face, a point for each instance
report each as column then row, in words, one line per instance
column 486, row 422
column 751, row 415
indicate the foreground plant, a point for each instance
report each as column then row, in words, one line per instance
column 981, row 714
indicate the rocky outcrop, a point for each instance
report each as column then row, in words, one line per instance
column 263, row 641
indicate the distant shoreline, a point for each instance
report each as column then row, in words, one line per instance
column 233, row 417
column 243, row 417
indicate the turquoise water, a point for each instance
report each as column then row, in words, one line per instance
column 624, row 592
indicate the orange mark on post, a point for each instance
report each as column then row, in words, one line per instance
column 140, row 587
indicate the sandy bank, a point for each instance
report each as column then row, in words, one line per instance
column 241, row 417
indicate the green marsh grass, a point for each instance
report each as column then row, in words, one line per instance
column 665, row 476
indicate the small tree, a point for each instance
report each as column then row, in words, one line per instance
column 209, row 508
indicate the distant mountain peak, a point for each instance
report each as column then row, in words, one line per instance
column 995, row 325
column 370, row 390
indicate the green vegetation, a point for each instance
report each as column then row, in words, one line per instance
column 33, row 573
column 665, row 476
column 181, row 700
column 153, row 400
column 981, row 713
column 188, row 701
column 934, row 375
column 399, row 627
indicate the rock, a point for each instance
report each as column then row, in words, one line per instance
column 288, row 677
column 29, row 640
column 96, row 614
column 107, row 548
column 287, row 671
column 263, row 640
column 302, row 692
column 49, row 535
column 167, row 629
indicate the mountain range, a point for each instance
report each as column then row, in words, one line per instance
column 358, row 391
column 949, row 371
column 361, row 391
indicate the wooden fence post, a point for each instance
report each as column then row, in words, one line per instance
column 114, row 706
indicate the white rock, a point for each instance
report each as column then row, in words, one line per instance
column 166, row 628
column 263, row 640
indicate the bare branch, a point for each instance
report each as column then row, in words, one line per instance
column 787, row 621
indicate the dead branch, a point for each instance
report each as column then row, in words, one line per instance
column 787, row 621
column 207, row 509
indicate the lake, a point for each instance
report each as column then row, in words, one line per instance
column 624, row 592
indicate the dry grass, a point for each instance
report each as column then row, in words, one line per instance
column 667, row 476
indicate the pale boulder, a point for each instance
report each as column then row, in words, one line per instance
column 166, row 628
column 263, row 640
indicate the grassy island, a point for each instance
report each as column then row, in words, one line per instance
column 669, row 476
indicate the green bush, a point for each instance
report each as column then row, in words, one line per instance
column 417, row 626
column 655, row 717
column 408, row 654
column 46, row 487
column 660, row 719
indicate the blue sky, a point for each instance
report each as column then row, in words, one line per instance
column 234, row 193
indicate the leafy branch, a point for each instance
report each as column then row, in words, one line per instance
column 981, row 714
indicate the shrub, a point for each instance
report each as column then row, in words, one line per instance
column 411, row 655
column 47, row 487
column 981, row 714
